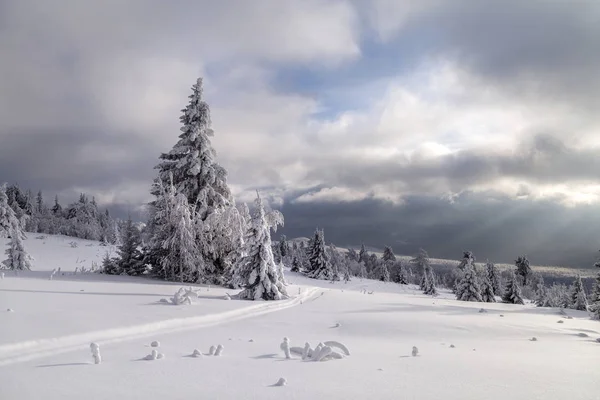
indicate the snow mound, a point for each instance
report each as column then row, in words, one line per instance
column 197, row 354
column 281, row 382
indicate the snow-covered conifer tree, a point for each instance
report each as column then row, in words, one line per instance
column 492, row 274
column 284, row 249
column 468, row 257
column 430, row 285
column 336, row 262
column 487, row 290
column 523, row 268
column 182, row 260
column 196, row 174
column 257, row 270
column 512, row 292
column 421, row 261
column 578, row 297
column 130, row 259
column 320, row 268
column 363, row 254
column 594, row 305
column 399, row 274
column 18, row 259
column 295, row 264
column 468, row 288
column 8, row 220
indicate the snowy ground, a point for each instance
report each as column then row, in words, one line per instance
column 44, row 342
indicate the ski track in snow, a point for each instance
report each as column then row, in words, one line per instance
column 29, row 350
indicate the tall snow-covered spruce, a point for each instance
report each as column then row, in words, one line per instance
column 257, row 271
column 320, row 267
column 192, row 168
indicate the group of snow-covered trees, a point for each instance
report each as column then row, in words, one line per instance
column 474, row 284
column 196, row 232
column 82, row 219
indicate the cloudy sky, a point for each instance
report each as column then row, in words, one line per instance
column 450, row 125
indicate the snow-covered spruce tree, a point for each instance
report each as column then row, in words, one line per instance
column 594, row 305
column 109, row 265
column 430, row 285
column 347, row 274
column 384, row 272
column 336, row 261
column 196, row 174
column 352, row 255
column 512, row 292
column 388, row 263
column 487, row 290
column 284, row 249
column 494, row 277
column 399, row 273
column 523, row 268
column 130, row 259
column 363, row 254
column 295, row 264
column 18, row 259
column 182, row 260
column 421, row 261
column 257, row 269
column 468, row 258
column 320, row 267
column 578, row 297
column 468, row 288
column 9, row 222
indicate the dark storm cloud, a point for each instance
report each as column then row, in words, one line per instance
column 491, row 225
column 56, row 160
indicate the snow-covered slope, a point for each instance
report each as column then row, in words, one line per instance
column 45, row 352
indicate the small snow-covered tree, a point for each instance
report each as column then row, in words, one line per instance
column 487, row 290
column 384, row 275
column 130, row 259
column 523, row 268
column 363, row 254
column 512, row 292
column 336, row 260
column 430, row 284
column 468, row 288
column 284, row 249
column 421, row 261
column 320, row 267
column 18, row 259
column 491, row 272
column 295, row 264
column 257, row 270
column 578, row 297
